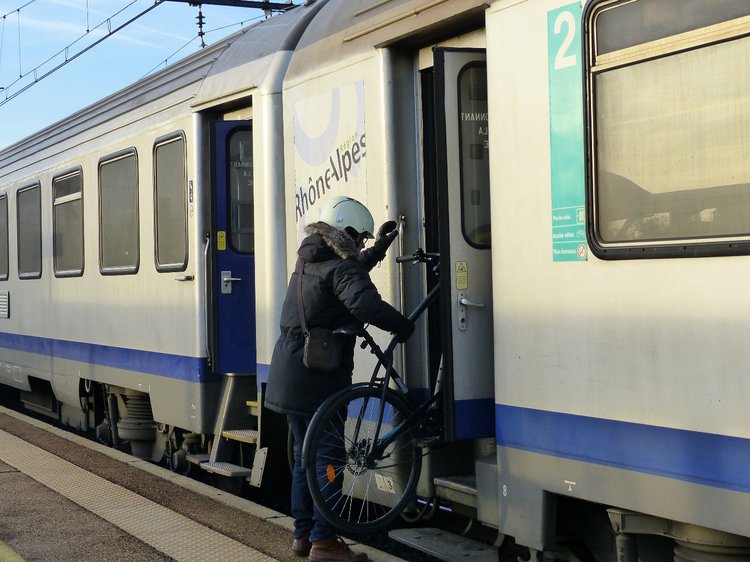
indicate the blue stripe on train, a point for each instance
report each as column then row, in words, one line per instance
column 189, row 369
column 474, row 418
column 702, row 458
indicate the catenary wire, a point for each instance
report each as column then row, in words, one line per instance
column 165, row 62
column 68, row 59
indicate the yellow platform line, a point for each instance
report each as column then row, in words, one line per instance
column 167, row 531
column 7, row 554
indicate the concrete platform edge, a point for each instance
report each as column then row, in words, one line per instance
column 241, row 504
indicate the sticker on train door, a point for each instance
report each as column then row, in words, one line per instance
column 566, row 134
column 462, row 275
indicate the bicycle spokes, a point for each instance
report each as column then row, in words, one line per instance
column 357, row 483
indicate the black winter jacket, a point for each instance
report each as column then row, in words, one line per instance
column 336, row 291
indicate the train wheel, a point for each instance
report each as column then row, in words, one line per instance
column 353, row 490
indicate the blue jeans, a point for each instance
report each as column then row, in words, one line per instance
column 307, row 518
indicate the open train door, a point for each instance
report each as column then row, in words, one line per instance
column 463, row 186
column 233, row 281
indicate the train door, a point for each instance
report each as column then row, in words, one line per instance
column 233, row 282
column 463, row 204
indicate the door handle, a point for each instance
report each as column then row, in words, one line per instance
column 226, row 282
column 463, row 302
column 466, row 302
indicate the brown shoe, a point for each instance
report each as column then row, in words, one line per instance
column 334, row 549
column 302, row 545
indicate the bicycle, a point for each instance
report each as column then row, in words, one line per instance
column 372, row 435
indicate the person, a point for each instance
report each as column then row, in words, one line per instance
column 336, row 291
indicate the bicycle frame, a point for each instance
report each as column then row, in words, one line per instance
column 385, row 358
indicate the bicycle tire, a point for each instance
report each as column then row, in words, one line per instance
column 354, row 494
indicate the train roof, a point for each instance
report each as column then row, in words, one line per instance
column 235, row 64
column 347, row 29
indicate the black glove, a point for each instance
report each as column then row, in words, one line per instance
column 405, row 330
column 386, row 235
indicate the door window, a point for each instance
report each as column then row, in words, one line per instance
column 240, row 176
column 474, row 151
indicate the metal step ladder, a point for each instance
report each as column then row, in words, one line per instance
column 461, row 490
column 235, row 412
column 477, row 492
column 444, row 545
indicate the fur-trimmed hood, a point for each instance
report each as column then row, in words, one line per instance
column 323, row 242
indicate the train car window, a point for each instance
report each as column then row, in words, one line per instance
column 29, row 232
column 240, row 175
column 118, row 213
column 4, row 267
column 67, row 220
column 629, row 24
column 668, row 121
column 170, row 220
column 474, row 157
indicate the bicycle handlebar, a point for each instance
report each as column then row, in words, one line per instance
column 419, row 256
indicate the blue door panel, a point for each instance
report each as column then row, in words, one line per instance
column 233, row 249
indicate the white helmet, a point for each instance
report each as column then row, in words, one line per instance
column 345, row 212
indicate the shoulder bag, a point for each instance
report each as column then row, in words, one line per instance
column 322, row 350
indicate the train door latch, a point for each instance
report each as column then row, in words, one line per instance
column 226, row 282
column 463, row 302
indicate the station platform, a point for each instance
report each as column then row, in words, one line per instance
column 63, row 497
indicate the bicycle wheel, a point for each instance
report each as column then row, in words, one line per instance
column 355, row 491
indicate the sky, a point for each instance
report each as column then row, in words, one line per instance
column 35, row 39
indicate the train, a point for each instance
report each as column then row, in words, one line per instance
column 581, row 167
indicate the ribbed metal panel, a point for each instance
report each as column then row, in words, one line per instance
column 4, row 304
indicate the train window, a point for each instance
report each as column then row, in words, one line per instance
column 118, row 213
column 170, row 204
column 474, row 155
column 4, row 238
column 668, row 122
column 67, row 220
column 240, row 174
column 29, row 232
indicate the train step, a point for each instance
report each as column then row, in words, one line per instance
column 444, row 545
column 197, row 458
column 461, row 489
column 253, row 405
column 243, row 435
column 226, row 469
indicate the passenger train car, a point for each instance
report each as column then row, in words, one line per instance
column 582, row 170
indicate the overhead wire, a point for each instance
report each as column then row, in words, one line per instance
column 165, row 62
column 2, row 35
column 2, row 42
column 19, row 8
column 65, row 51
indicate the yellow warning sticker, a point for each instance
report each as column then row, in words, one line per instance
column 221, row 240
column 462, row 275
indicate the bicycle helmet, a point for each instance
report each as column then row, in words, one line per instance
column 344, row 212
